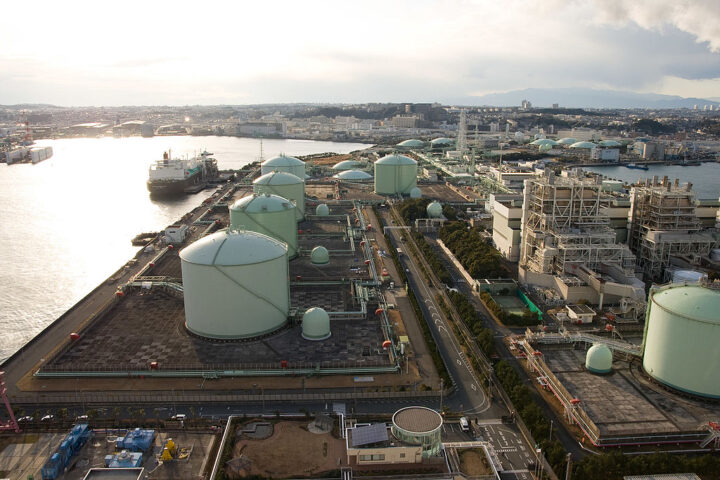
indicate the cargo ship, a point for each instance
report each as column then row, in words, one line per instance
column 174, row 176
column 27, row 154
column 637, row 167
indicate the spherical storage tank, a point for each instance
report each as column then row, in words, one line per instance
column 322, row 210
column 415, row 192
column 284, row 163
column 434, row 210
column 284, row 185
column 315, row 324
column 395, row 175
column 346, row 165
column 599, row 358
column 682, row 334
column 269, row 214
column 235, row 285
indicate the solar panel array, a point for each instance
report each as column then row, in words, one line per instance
column 377, row 432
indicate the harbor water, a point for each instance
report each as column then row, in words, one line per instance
column 67, row 222
column 704, row 177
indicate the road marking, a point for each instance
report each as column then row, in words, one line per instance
column 472, row 385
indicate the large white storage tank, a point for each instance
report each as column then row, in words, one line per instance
column 283, row 163
column 268, row 214
column 395, row 175
column 284, row 185
column 682, row 334
column 235, row 285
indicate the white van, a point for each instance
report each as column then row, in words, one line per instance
column 464, row 424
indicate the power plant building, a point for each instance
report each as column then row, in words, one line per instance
column 664, row 224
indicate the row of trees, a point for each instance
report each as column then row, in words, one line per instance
column 432, row 258
column 480, row 259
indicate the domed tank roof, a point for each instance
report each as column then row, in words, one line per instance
column 320, row 255
column 434, row 210
column 582, row 145
column 283, row 161
column 315, row 324
column 544, row 147
column 346, row 165
column 415, row 193
column 278, row 178
column 233, row 247
column 322, row 210
column 411, row 143
column 567, row 141
column 544, row 141
column 257, row 203
column 442, row 141
column 396, row 160
column 691, row 302
column 599, row 358
column 353, row 175
column 609, row 143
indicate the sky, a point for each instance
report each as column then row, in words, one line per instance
column 157, row 52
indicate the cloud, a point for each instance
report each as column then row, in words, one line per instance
column 700, row 18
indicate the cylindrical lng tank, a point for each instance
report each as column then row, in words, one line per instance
column 688, row 276
column 284, row 163
column 268, row 214
column 682, row 333
column 235, row 285
column 395, row 175
column 434, row 210
column 284, row 185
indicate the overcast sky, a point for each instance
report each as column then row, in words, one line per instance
column 259, row 51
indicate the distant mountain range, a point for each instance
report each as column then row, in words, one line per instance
column 585, row 98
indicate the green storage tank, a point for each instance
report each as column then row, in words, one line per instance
column 682, row 334
column 395, row 175
column 283, row 163
column 269, row 214
column 284, row 185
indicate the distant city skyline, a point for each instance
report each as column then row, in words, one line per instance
column 180, row 53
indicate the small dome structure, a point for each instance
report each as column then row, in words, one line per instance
column 322, row 210
column 434, row 210
column 442, row 142
column 315, row 324
column 544, row 147
column 346, row 165
column 411, row 143
column 585, row 145
column 357, row 175
column 599, row 358
column 320, row 256
column 567, row 141
column 415, row 193
column 283, row 163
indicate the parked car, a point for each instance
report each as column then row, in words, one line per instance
column 47, row 418
column 26, row 418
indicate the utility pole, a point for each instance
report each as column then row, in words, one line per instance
column 441, row 393
column 568, row 469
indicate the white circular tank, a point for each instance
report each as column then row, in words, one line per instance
column 235, row 285
column 395, row 175
column 283, row 163
column 353, row 175
column 682, row 334
column 315, row 324
column 322, row 210
column 599, row 358
column 434, row 210
column 415, row 193
column 284, row 185
column 268, row 214
column 688, row 276
column 346, row 165
column 320, row 255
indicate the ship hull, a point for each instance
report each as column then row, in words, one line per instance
column 171, row 188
